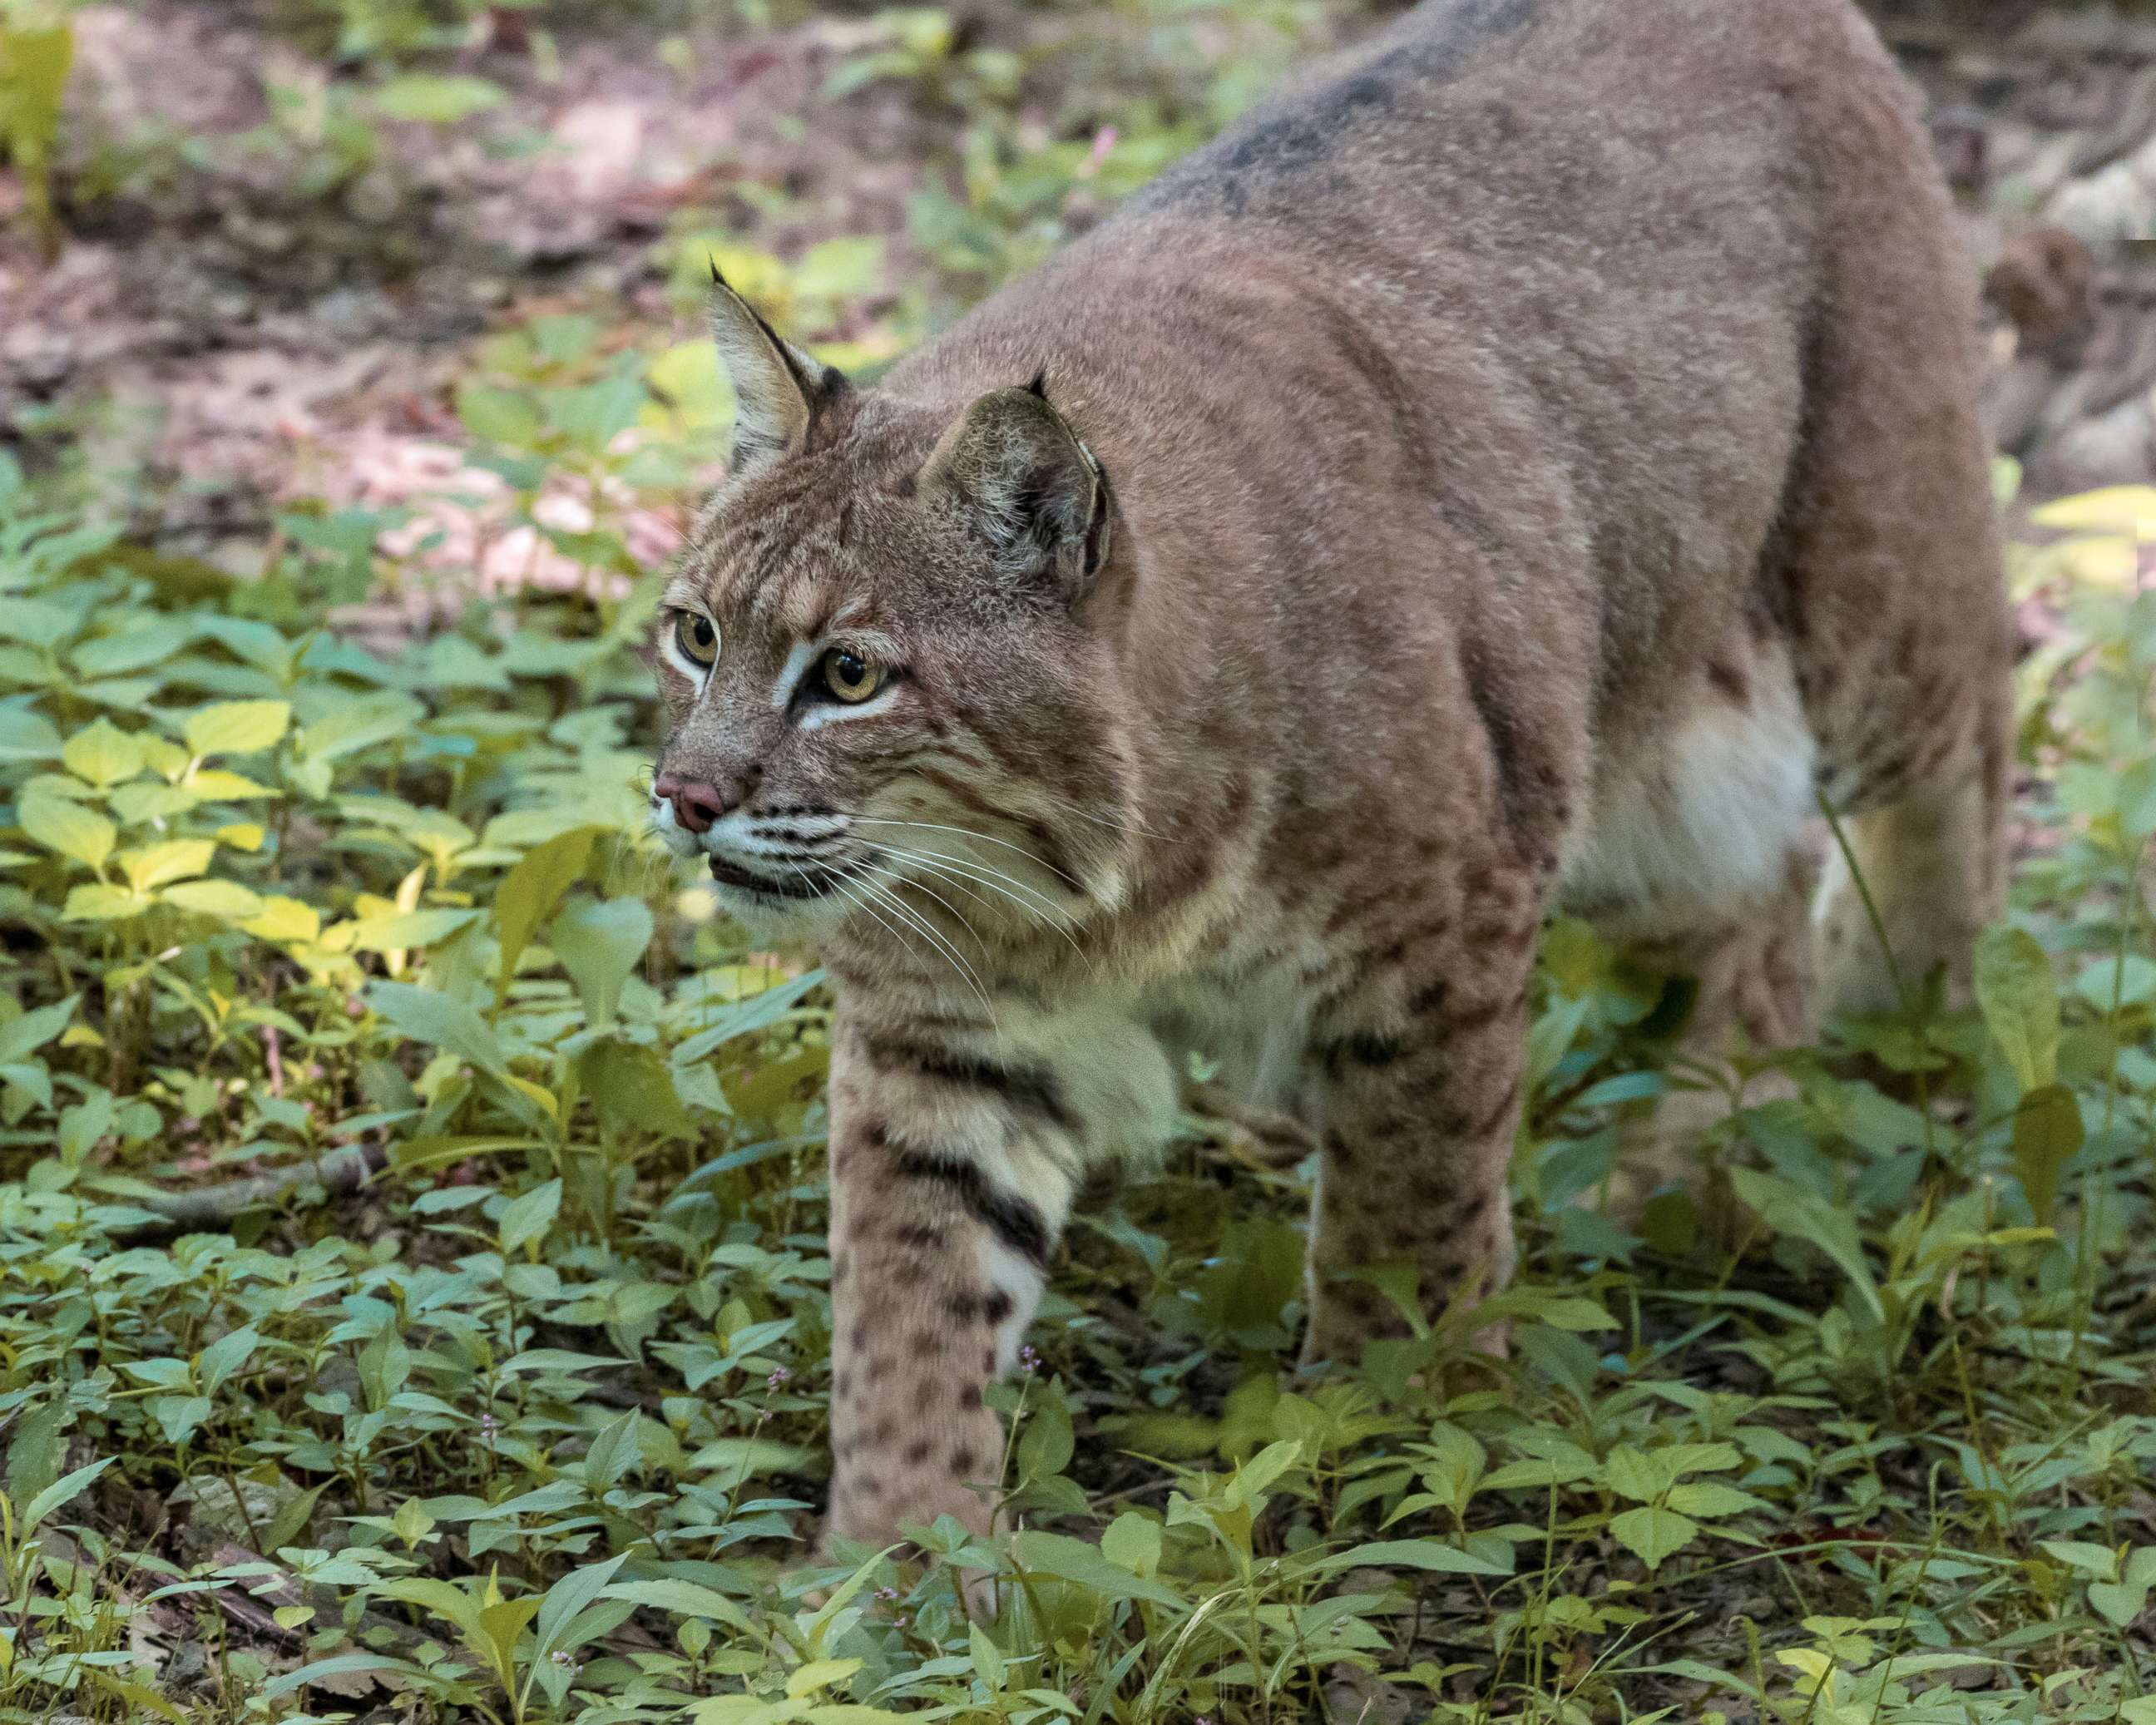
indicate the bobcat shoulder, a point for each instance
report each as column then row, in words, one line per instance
column 1523, row 467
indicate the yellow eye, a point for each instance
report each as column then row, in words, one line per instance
column 849, row 677
column 698, row 637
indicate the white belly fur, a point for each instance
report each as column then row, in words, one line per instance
column 1705, row 821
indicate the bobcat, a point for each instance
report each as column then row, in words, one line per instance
column 1524, row 469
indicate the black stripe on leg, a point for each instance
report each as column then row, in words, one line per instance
column 1032, row 1089
column 1014, row 1221
column 1361, row 1049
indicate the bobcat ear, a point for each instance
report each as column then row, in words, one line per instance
column 1013, row 470
column 778, row 390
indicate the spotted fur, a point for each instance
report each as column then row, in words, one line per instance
column 1522, row 468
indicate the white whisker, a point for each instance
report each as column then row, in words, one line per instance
column 939, row 863
column 912, row 919
column 1062, row 806
column 956, row 915
column 930, row 826
column 839, row 887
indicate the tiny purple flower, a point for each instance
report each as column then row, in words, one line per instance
column 886, row 1593
column 778, row 1376
column 1029, row 1358
column 901, row 1620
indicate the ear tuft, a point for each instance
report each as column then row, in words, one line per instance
column 1013, row 470
column 778, row 390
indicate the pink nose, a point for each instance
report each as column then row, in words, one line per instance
column 696, row 806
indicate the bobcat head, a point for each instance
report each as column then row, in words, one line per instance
column 881, row 656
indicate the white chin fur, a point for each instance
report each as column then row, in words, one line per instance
column 770, row 914
column 671, row 833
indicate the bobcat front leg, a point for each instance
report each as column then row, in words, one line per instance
column 1420, row 1069
column 952, row 1173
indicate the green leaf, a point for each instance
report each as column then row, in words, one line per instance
column 613, row 1452
column 437, row 99
column 1431, row 1555
column 425, row 1015
column 847, row 263
column 101, row 904
column 744, row 1018
column 33, row 1031
column 409, row 928
column 564, row 1601
column 2020, row 1002
column 103, row 754
column 165, row 1371
column 179, row 1416
column 2048, row 1131
column 1655, row 1534
column 225, row 1356
column 1633, row 1473
column 530, row 891
column 237, row 728
column 1132, row 1542
column 599, row 945
column 1047, row 1444
column 360, row 725
column 987, row 1662
column 2122, row 1602
column 35, row 55
column 385, row 1367
column 27, row 736
column 688, row 375
column 449, row 1603
column 528, row 1218
column 2098, row 1561
column 1087, row 1566
column 684, row 1599
column 633, row 1087
column 291, row 1522
column 226, row 900
column 63, row 1490
column 346, row 1664
column 494, row 415
column 60, row 824
column 1708, row 1499
column 1568, row 1467
column 154, row 866
column 1789, row 1209
column 38, row 1447
column 1575, row 1313
column 594, row 415
column 821, row 1674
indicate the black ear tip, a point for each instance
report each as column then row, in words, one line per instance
column 1039, row 385
column 717, row 280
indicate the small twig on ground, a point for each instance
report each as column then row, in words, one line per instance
column 338, row 1170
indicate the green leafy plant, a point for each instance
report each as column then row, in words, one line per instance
column 37, row 51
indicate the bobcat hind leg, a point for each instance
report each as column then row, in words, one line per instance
column 1702, row 863
column 1932, row 862
column 1753, row 969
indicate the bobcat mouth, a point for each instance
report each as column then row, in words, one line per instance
column 806, row 884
